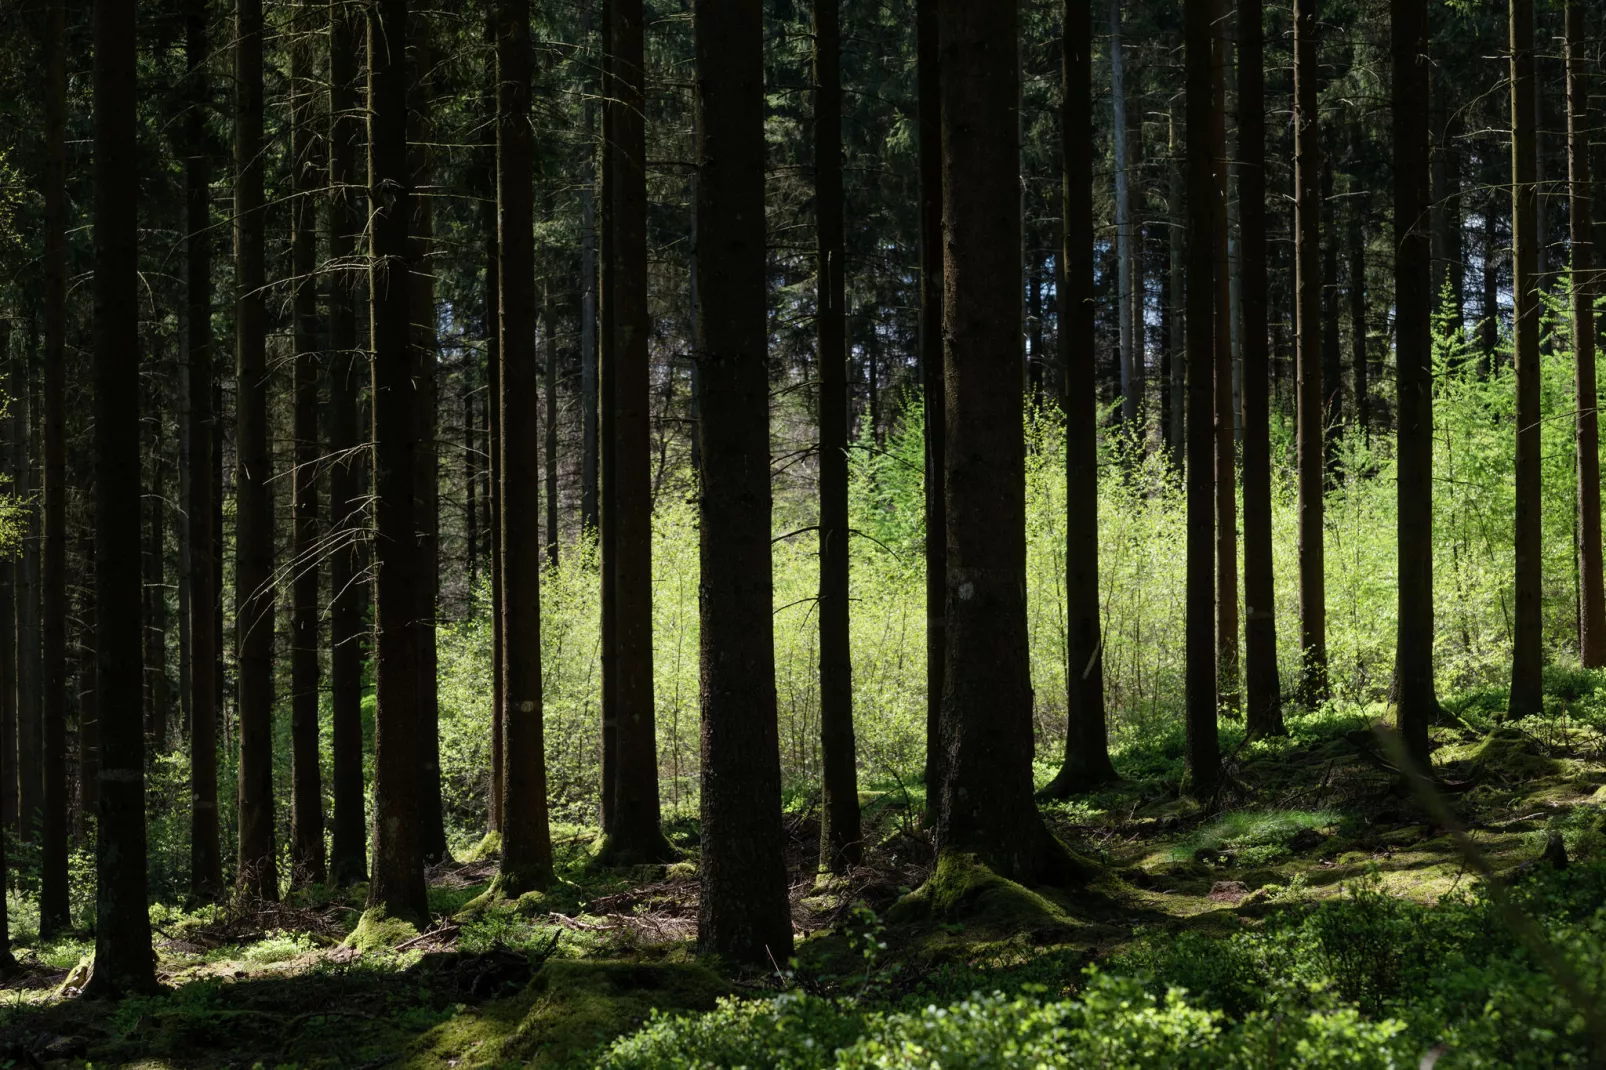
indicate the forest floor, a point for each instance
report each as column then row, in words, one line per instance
column 546, row 982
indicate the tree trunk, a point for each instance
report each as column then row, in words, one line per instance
column 493, row 448
column 30, row 724
column 1123, row 221
column 1592, row 599
column 10, row 571
column 526, row 840
column 1356, row 235
column 550, row 452
column 1225, row 412
column 1203, row 748
column 841, row 847
column 397, row 884
column 931, row 381
column 589, row 338
column 153, row 598
column 471, row 481
column 348, row 861
column 1176, row 326
column 306, row 779
column 124, row 960
column 743, row 914
column 1413, row 289
column 1087, row 753
column 1332, row 359
column 1311, row 401
column 54, row 914
column 1527, row 692
column 1263, row 714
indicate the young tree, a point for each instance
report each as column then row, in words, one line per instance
column 931, row 379
column 1591, row 594
column 1527, row 692
column 306, row 779
column 1263, row 691
column 1087, row 752
column 348, row 862
column 124, row 962
column 840, row 843
column 1311, row 395
column 633, row 829
column 526, row 839
column 253, row 540
column 1413, row 301
column 1203, row 747
column 397, row 884
column 743, row 914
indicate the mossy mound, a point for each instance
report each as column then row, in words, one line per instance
column 569, row 1010
column 490, row 846
column 1511, row 754
column 377, row 931
column 965, row 890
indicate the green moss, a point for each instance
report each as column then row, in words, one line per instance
column 1511, row 754
column 377, row 931
column 964, row 889
column 569, row 1010
column 490, row 846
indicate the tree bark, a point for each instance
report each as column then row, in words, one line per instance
column 931, row 381
column 1177, row 323
column 30, row 724
column 1123, row 222
column 1225, row 412
column 526, row 840
column 10, row 646
column 397, row 884
column 743, row 914
column 124, row 960
column 1087, row 752
column 348, row 861
column 1203, row 748
column 1527, row 691
column 550, row 425
column 1356, row 292
column 1592, row 597
column 1311, row 400
column 493, row 448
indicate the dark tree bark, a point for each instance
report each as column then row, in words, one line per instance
column 526, row 839
column 258, row 873
column 1087, row 751
column 426, row 470
column 466, row 399
column 1413, row 290
column 550, row 451
column 1527, row 691
column 348, row 862
column 125, row 963
column 1226, row 419
column 493, row 449
column 54, row 913
column 1355, row 242
column 602, row 404
column 1176, row 323
column 10, row 572
column 841, row 846
column 1203, row 746
column 931, row 382
column 1123, row 223
column 397, row 883
column 1263, row 714
column 1332, row 358
column 590, row 337
column 1308, row 326
column 1489, row 322
column 26, row 443
column 306, row 776
column 1591, row 597
column 743, row 914
column 153, row 597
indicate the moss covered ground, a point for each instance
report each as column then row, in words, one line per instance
column 552, row 979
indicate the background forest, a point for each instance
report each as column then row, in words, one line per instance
column 413, row 630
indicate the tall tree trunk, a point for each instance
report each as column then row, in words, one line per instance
column 1413, row 290
column 1356, row 250
column 125, row 964
column 589, row 336
column 549, row 454
column 1332, row 358
column 397, row 884
column 306, row 779
column 1087, row 752
column 1203, row 747
column 526, row 839
column 30, row 724
column 931, row 381
column 1263, row 690
column 426, row 468
column 493, row 448
column 1592, row 599
column 348, row 861
column 471, row 481
column 841, row 846
column 602, row 404
column 1176, row 326
column 54, row 914
column 1308, row 326
column 1527, row 692
column 206, row 861
column 1123, row 221
column 1225, row 412
column 10, row 572
column 743, row 914
column 1489, row 323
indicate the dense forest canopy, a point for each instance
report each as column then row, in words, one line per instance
column 1038, row 533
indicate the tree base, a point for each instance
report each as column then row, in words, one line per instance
column 377, row 930
column 964, row 889
column 615, row 851
column 1068, row 782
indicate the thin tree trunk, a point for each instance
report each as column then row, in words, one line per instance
column 1176, row 326
column 1592, row 599
column 743, row 914
column 397, row 884
column 1413, row 289
column 1203, row 748
column 125, row 964
column 1332, row 358
column 1123, row 220
column 1489, row 325
column 602, row 405
column 306, row 779
column 1087, row 753
column 1263, row 714
column 10, row 571
column 1356, row 236
column 1527, row 692
column 493, row 448
column 471, row 480
column 841, row 845
column 348, row 861
column 30, row 724
column 1312, row 397
column 1225, row 411
column 526, row 839
column 589, row 337
column 54, row 914
column 931, row 381
column 550, row 423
